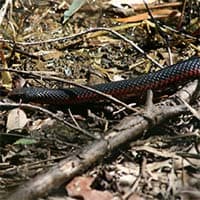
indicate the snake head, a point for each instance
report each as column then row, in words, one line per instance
column 41, row 95
column 16, row 94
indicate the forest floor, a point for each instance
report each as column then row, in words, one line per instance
column 40, row 46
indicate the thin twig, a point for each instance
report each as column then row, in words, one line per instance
column 107, row 96
column 54, row 116
column 73, row 119
column 182, row 15
column 4, row 9
column 162, row 34
column 180, row 33
column 63, row 39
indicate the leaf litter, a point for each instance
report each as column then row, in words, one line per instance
column 163, row 164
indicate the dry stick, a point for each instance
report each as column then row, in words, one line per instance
column 107, row 96
column 86, row 32
column 32, row 107
column 91, row 89
column 63, row 39
column 182, row 15
column 158, row 6
column 180, row 33
column 168, row 28
column 128, row 129
column 162, row 34
column 4, row 9
column 72, row 117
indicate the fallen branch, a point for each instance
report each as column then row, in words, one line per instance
column 128, row 129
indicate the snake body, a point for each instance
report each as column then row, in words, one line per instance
column 178, row 73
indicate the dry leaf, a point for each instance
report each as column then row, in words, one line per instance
column 19, row 82
column 50, row 54
column 41, row 123
column 162, row 13
column 135, row 196
column 6, row 77
column 120, row 3
column 80, row 187
column 17, row 120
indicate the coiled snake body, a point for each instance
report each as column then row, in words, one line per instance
column 172, row 75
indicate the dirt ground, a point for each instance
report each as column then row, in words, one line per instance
column 41, row 47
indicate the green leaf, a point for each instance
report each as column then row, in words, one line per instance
column 25, row 141
column 75, row 6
